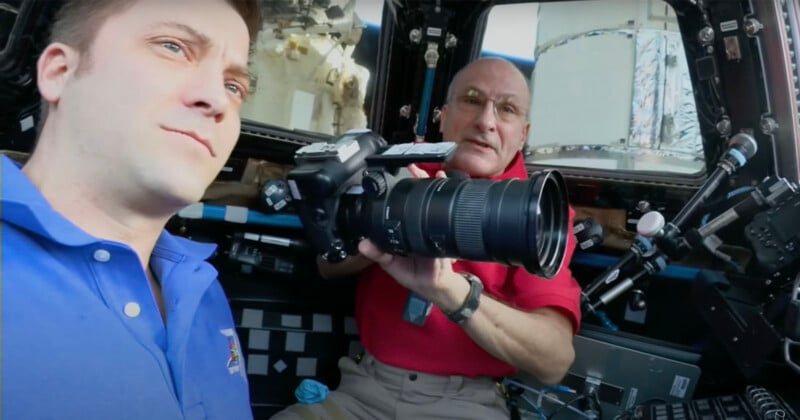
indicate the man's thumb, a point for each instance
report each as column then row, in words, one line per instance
column 371, row 251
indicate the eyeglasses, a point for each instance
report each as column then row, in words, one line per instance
column 505, row 109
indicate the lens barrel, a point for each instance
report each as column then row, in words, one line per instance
column 513, row 222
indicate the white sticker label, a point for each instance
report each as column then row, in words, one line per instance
column 679, row 386
column 728, row 25
column 434, row 31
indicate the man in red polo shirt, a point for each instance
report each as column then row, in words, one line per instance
column 488, row 320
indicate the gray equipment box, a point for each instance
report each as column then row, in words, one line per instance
column 625, row 370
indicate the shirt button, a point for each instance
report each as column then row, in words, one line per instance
column 412, row 376
column 132, row 309
column 101, row 255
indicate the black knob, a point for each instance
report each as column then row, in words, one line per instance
column 374, row 183
column 275, row 196
column 588, row 233
column 637, row 300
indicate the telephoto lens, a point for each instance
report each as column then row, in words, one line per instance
column 513, row 222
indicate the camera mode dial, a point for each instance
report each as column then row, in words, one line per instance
column 374, row 183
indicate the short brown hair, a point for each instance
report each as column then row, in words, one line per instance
column 77, row 21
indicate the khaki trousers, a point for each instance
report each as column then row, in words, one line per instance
column 371, row 390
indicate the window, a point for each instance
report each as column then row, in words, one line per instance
column 610, row 87
column 312, row 65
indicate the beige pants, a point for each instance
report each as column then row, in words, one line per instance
column 371, row 390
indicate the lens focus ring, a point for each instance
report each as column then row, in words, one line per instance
column 467, row 220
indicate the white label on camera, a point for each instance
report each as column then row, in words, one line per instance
column 433, row 31
column 346, row 151
column 728, row 25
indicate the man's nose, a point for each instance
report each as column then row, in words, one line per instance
column 486, row 120
column 206, row 92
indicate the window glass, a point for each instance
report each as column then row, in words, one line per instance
column 312, row 65
column 610, row 87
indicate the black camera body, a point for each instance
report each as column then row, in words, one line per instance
column 774, row 235
column 334, row 181
column 355, row 188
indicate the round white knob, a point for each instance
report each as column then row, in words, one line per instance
column 650, row 224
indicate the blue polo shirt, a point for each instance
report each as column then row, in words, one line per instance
column 82, row 337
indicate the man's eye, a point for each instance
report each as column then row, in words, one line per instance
column 472, row 100
column 172, row 47
column 508, row 109
column 235, row 89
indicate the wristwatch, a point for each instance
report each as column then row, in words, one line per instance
column 470, row 305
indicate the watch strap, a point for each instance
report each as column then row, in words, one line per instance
column 470, row 305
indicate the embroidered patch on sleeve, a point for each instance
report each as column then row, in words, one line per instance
column 235, row 362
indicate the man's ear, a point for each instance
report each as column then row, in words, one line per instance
column 525, row 130
column 56, row 64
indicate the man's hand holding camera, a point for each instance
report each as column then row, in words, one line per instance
column 431, row 278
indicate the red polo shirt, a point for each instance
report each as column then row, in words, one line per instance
column 441, row 346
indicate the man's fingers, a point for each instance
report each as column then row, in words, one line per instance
column 371, row 251
column 441, row 174
column 417, row 172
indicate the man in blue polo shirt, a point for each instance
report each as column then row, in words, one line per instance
column 105, row 315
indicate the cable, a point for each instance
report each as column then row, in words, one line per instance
column 538, row 409
column 566, row 404
column 561, row 388
column 605, row 320
column 592, row 406
column 544, row 395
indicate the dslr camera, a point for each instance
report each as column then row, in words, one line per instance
column 357, row 187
